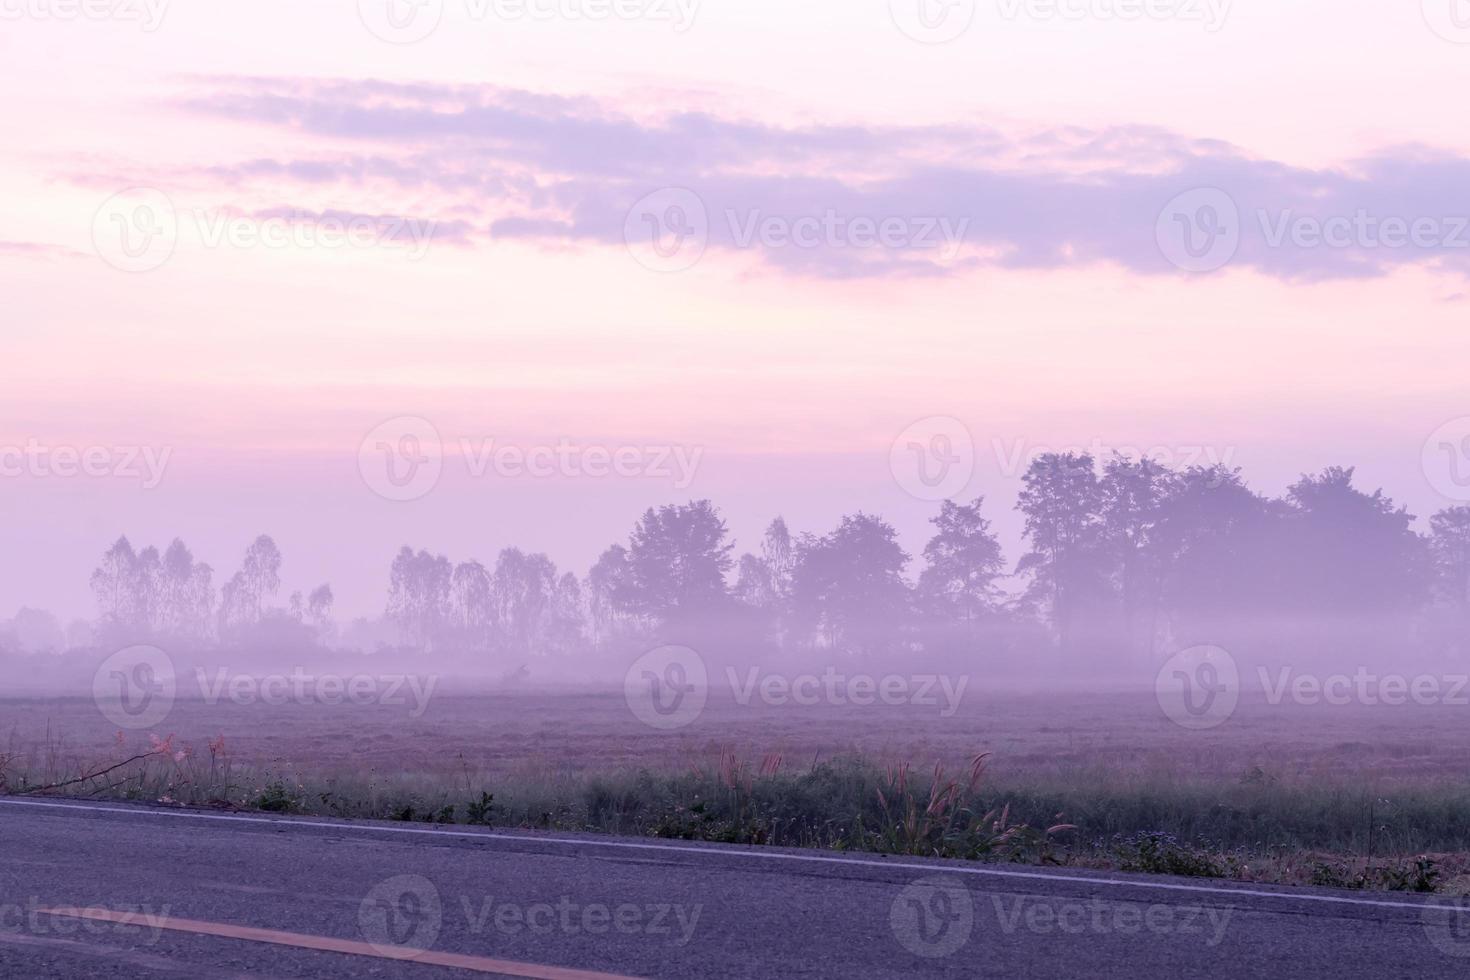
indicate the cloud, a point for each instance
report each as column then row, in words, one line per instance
column 802, row 197
column 41, row 250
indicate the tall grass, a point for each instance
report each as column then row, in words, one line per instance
column 1331, row 834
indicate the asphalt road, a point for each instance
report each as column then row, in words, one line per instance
column 118, row 891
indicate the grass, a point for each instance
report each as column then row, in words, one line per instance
column 1256, row 827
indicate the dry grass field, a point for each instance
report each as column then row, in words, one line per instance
column 1358, row 796
column 495, row 735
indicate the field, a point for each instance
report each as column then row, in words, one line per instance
column 1334, row 794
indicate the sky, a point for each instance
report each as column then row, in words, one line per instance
column 465, row 274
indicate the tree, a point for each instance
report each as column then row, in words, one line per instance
column 848, row 585
column 261, row 572
column 1449, row 532
column 607, row 582
column 963, row 561
column 522, row 588
column 753, row 585
column 1135, row 495
column 1214, row 539
column 114, row 585
column 418, row 595
column 471, row 607
column 1067, row 563
column 319, row 608
column 1351, row 552
column 778, row 553
column 565, row 620
column 186, row 593
column 677, row 561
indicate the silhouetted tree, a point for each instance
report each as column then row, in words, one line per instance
column 1068, row 562
column 964, row 560
column 418, row 595
column 1449, row 532
column 1135, row 496
column 848, row 586
column 677, row 560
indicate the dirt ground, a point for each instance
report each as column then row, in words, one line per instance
column 563, row 731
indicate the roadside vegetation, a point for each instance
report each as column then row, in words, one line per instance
column 1257, row 828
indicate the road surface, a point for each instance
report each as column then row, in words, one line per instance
column 118, row 891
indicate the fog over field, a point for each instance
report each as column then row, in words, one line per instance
column 825, row 468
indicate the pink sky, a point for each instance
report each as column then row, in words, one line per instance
column 1057, row 318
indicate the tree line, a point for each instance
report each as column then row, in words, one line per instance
column 1122, row 557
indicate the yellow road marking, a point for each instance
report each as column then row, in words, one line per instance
column 478, row 964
